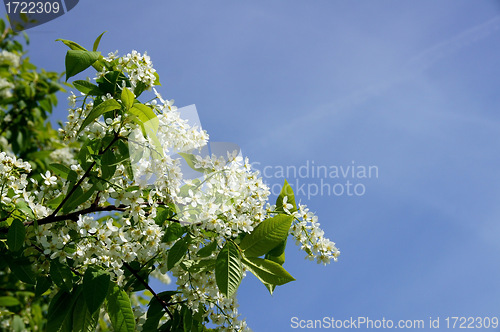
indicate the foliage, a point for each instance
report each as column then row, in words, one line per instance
column 82, row 239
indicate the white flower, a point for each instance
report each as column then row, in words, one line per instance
column 49, row 179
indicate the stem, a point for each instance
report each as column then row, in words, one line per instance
column 77, row 185
column 138, row 277
column 74, row 215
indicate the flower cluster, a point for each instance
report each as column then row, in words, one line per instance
column 132, row 169
column 10, row 59
column 310, row 237
column 13, row 177
column 5, row 88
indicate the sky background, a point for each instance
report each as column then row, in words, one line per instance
column 410, row 87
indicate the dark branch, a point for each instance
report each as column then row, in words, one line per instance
column 74, row 215
column 142, row 281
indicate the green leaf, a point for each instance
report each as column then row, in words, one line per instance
column 266, row 236
column 187, row 319
column 54, row 203
column 95, row 288
column 111, row 81
column 286, row 191
column 22, row 269
column 61, row 275
column 72, row 45
column 155, row 310
column 104, row 107
column 174, row 232
column 177, row 252
column 157, row 80
column 18, row 324
column 277, row 254
column 60, row 169
column 128, row 98
column 146, row 118
column 162, row 214
column 228, row 269
column 145, row 114
column 87, row 88
column 201, row 265
column 16, row 235
column 191, row 161
column 109, row 164
column 119, row 310
column 59, row 310
column 208, row 249
column 78, row 60
column 268, row 272
column 83, row 319
column 97, row 41
column 42, row 285
column 77, row 198
column 8, row 301
column 24, row 208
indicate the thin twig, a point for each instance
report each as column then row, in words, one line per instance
column 138, row 277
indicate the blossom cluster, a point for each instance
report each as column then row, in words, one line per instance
column 5, row 88
column 225, row 201
column 10, row 59
column 13, row 177
column 310, row 237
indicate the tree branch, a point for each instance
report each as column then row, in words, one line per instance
column 77, row 185
column 138, row 277
column 74, row 215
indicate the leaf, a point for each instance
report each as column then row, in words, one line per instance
column 42, row 285
column 97, row 41
column 60, row 169
column 148, row 121
column 128, row 98
column 22, row 269
column 277, row 254
column 162, row 214
column 109, row 164
column 228, row 269
column 83, row 319
column 191, row 161
column 208, row 249
column 8, row 301
column 18, row 324
column 71, row 44
column 202, row 265
column 155, row 310
column 95, row 288
column 119, row 310
column 177, row 252
column 78, row 60
column 61, row 275
column 174, row 232
column 59, row 309
column 113, row 79
column 24, row 208
column 87, row 88
column 266, row 236
column 104, row 107
column 187, row 319
column 77, row 198
column 268, row 272
column 146, row 115
column 286, row 191
column 16, row 235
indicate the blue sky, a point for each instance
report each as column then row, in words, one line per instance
column 408, row 86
